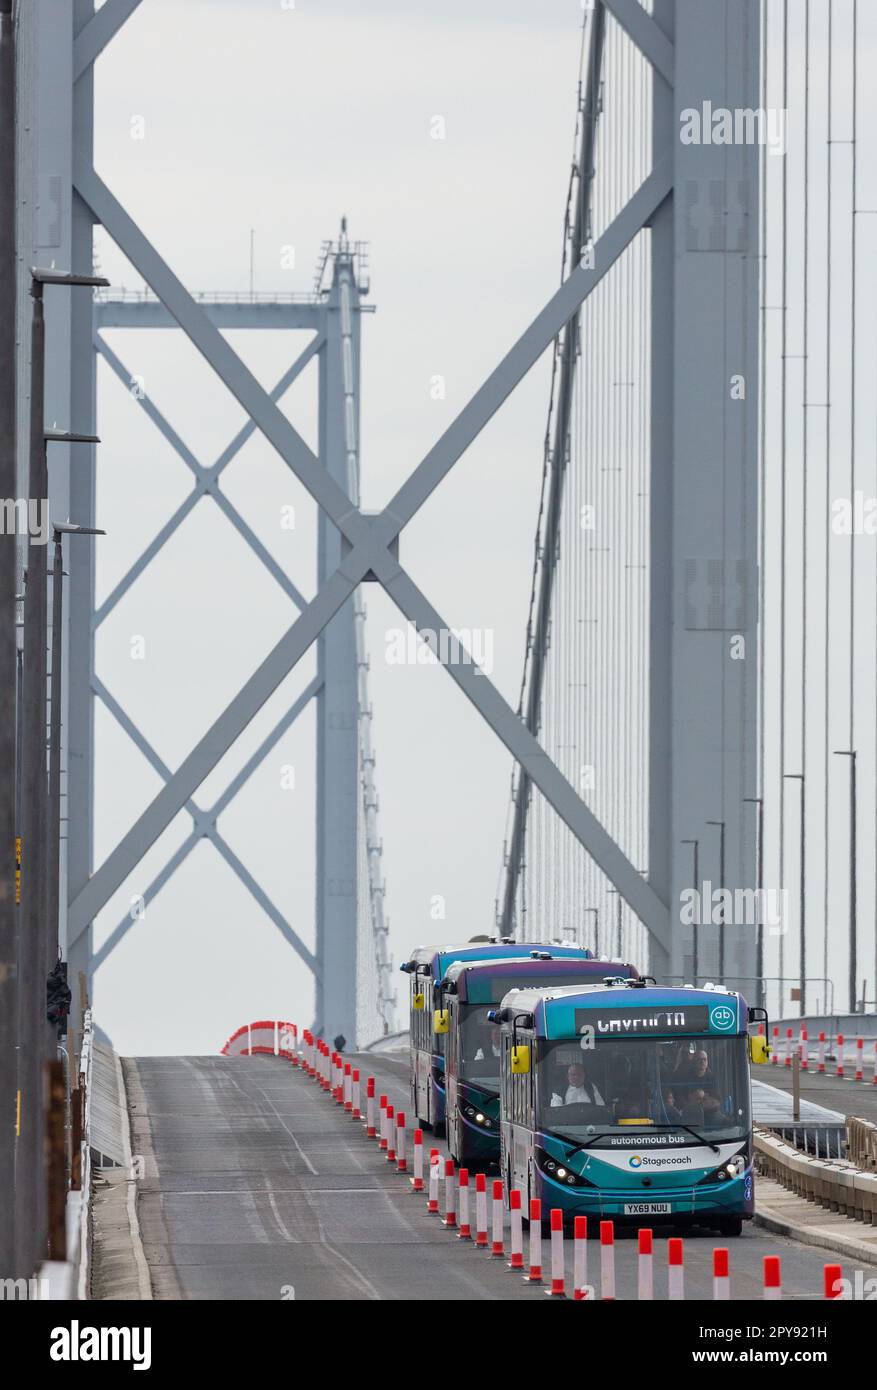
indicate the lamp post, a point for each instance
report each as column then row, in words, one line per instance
column 851, row 754
column 721, row 826
column 596, row 912
column 759, row 930
column 802, row 949
column 33, row 1039
column 697, row 888
column 619, row 922
column 59, row 530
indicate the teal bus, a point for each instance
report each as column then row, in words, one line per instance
column 426, row 968
column 630, row 1101
column 468, row 995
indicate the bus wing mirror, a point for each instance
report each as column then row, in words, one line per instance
column 520, row 1060
column 417, row 1002
column 441, row 1021
column 759, row 1049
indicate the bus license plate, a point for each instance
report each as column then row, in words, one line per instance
column 647, row 1208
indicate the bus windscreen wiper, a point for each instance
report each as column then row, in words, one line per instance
column 699, row 1137
column 575, row 1144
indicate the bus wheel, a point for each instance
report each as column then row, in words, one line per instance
column 731, row 1226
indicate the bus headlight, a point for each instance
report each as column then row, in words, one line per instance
column 734, row 1168
column 558, row 1172
column 477, row 1117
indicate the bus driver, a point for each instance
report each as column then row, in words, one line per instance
column 579, row 1091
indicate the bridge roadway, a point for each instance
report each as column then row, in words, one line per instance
column 256, row 1183
column 833, row 1092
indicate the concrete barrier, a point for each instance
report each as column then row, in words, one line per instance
column 836, row 1184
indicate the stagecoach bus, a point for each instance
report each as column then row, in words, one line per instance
column 468, row 995
column 630, row 1101
column 426, row 968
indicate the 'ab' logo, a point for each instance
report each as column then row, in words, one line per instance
column 722, row 1018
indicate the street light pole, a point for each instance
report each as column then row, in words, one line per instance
column 697, row 888
column 721, row 825
column 853, row 961
column 9, row 1051
column 33, row 1040
column 759, row 930
column 596, row 913
column 59, row 531
column 802, row 950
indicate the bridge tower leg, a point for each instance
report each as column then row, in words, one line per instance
column 704, row 486
column 337, row 729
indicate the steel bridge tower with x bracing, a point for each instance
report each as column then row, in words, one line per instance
column 698, row 208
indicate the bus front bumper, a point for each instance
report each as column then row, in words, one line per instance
column 704, row 1203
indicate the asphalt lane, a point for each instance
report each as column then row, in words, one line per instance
column 834, row 1092
column 257, row 1185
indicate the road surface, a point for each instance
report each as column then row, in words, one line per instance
column 256, row 1184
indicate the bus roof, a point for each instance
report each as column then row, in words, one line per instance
column 619, row 1011
column 487, row 981
column 505, row 950
column 439, row 958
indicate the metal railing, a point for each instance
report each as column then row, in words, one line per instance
column 835, row 1183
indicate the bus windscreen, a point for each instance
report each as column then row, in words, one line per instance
column 620, row 1087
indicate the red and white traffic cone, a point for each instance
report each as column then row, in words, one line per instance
column 481, row 1210
column 417, row 1180
column 465, row 1231
column 432, row 1205
column 391, row 1134
column 370, row 1131
column 831, row 1281
column 773, row 1284
column 607, row 1260
column 535, row 1275
column 820, row 1064
column 580, row 1286
column 774, row 1052
column 355, row 1095
column 787, row 1056
column 721, row 1274
column 874, row 1074
column 516, row 1239
column 675, row 1269
column 805, row 1049
column 839, row 1049
column 497, row 1248
column 860, row 1059
column 645, row 1262
column 348, row 1087
column 558, row 1272
column 382, row 1141
column 401, row 1161
column 450, row 1196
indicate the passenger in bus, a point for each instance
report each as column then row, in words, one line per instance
column 579, row 1090
column 709, row 1104
column 670, row 1111
column 695, row 1067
